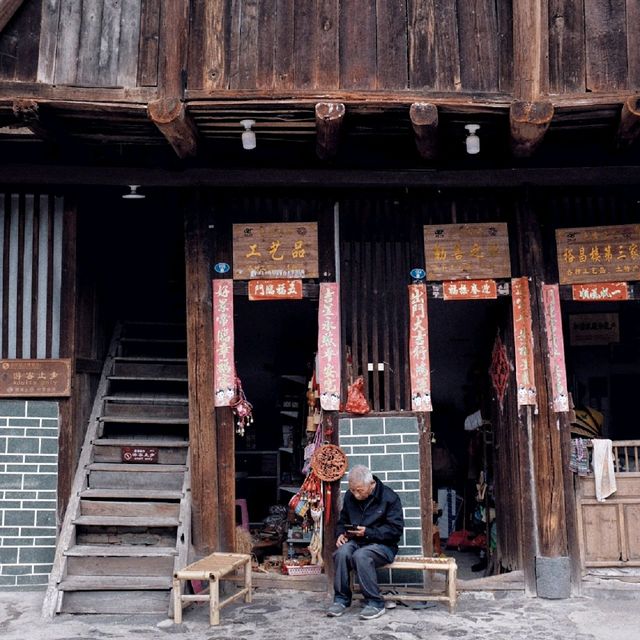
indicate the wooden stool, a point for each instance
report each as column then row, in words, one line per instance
column 212, row 568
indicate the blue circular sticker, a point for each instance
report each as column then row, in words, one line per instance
column 221, row 267
column 417, row 274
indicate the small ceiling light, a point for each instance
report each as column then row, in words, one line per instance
column 133, row 193
column 248, row 136
column 472, row 141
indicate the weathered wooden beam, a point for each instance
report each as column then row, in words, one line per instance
column 530, row 69
column 629, row 128
column 424, row 120
column 173, row 47
column 528, row 123
column 39, row 120
column 329, row 119
column 7, row 11
column 175, row 124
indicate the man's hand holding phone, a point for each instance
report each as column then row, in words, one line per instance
column 351, row 531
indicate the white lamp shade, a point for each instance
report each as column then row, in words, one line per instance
column 473, row 144
column 248, row 140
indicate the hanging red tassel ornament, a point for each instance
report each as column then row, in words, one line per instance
column 327, row 502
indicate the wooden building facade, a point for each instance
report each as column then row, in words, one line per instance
column 362, row 114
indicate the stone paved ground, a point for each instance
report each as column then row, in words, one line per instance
column 287, row 615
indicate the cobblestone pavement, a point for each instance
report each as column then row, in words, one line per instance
column 289, row 615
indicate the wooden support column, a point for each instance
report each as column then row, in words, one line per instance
column 168, row 112
column 528, row 123
column 424, row 120
column 329, row 120
column 7, row 11
column 629, row 128
column 540, row 431
column 426, row 482
column 202, row 418
column 529, row 117
column 171, row 118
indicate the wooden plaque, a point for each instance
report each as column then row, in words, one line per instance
column 601, row 291
column 275, row 289
column 598, row 254
column 467, row 251
column 276, row 250
column 35, row 378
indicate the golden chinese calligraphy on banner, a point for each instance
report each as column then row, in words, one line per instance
column 419, row 369
column 523, row 339
column 598, row 254
column 224, row 371
column 275, row 250
column 463, row 251
column 35, row 378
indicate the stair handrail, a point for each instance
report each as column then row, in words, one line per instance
column 51, row 601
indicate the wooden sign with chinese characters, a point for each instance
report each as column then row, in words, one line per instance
column 589, row 329
column 466, row 251
column 419, row 370
column 469, row 290
column 523, row 339
column 601, row 291
column 35, row 378
column 598, row 254
column 224, row 371
column 275, row 289
column 555, row 345
column 140, row 455
column 279, row 250
column 329, row 346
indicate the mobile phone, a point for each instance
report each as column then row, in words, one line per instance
column 351, row 528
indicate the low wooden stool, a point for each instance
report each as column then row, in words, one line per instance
column 212, row 568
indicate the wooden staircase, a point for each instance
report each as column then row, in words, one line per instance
column 127, row 525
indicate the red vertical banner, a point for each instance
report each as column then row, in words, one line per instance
column 328, row 374
column 419, row 349
column 224, row 371
column 523, row 338
column 555, row 345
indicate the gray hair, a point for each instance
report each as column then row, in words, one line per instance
column 359, row 474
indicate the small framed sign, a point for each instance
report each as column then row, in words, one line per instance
column 140, row 455
column 590, row 329
column 35, row 378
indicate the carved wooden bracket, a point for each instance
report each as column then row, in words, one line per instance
column 528, row 123
column 329, row 119
column 424, row 120
column 629, row 128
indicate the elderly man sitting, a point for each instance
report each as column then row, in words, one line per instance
column 368, row 531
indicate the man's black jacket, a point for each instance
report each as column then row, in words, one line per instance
column 380, row 513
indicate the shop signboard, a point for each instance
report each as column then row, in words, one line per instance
column 275, row 289
column 601, row 291
column 469, row 290
column 35, row 378
column 329, row 346
column 275, row 250
column 593, row 329
column 419, row 369
column 224, row 372
column 555, row 346
column 467, row 251
column 598, row 254
column 523, row 339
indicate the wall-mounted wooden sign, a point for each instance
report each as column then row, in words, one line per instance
column 35, row 378
column 275, row 289
column 601, row 291
column 598, row 254
column 224, row 370
column 140, row 455
column 469, row 290
column 555, row 346
column 465, row 251
column 328, row 367
column 277, row 250
column 589, row 329
column 419, row 369
column 523, row 339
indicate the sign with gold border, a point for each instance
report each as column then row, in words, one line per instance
column 35, row 378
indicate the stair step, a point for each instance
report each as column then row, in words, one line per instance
column 143, row 420
column 153, row 340
column 151, row 398
column 137, row 468
column 118, row 602
column 132, row 494
column 125, row 521
column 115, row 550
column 151, row 359
column 114, row 583
column 120, row 508
column 140, row 442
column 148, row 378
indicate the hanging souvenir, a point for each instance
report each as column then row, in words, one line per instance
column 242, row 408
column 356, row 400
column 329, row 462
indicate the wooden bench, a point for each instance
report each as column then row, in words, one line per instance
column 212, row 568
column 447, row 566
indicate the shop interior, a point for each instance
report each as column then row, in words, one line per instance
column 275, row 345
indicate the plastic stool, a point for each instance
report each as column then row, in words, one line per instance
column 244, row 513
